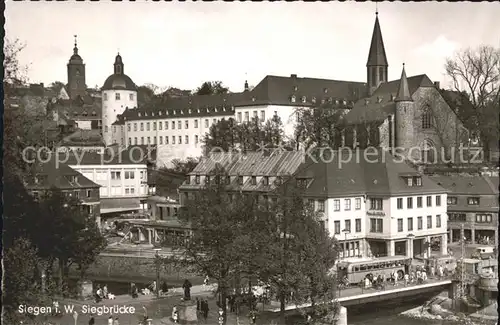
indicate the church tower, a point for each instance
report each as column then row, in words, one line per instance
column 376, row 66
column 76, row 75
column 404, row 116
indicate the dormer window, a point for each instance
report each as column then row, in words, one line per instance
column 345, row 102
column 159, row 113
column 139, row 114
column 301, row 183
column 189, row 111
column 278, row 180
column 409, row 181
column 253, row 99
column 325, row 90
column 197, row 179
column 292, row 99
column 198, row 110
column 336, row 101
column 94, row 113
column 84, row 113
column 153, row 114
column 473, row 201
column 265, row 180
column 215, row 109
column 145, row 114
column 188, row 180
column 166, row 112
column 295, row 88
column 240, row 180
column 182, row 112
column 418, row 181
column 254, row 180
column 303, row 99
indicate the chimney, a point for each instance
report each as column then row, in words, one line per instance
column 436, row 84
column 293, row 76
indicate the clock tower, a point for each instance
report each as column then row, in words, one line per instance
column 76, row 75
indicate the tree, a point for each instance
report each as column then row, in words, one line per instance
column 14, row 73
column 221, row 136
column 476, row 79
column 218, row 222
column 183, row 166
column 211, row 88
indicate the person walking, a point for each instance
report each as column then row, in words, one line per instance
column 105, row 291
column 407, row 279
column 205, row 310
column 205, row 281
column 116, row 322
column 91, row 320
column 110, row 320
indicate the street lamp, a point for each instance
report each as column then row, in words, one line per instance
column 157, row 262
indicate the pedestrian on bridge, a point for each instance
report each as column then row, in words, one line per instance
column 441, row 271
column 407, row 279
column 433, row 271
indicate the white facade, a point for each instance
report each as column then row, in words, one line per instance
column 355, row 222
column 118, row 181
column 84, row 125
column 118, row 135
column 114, row 103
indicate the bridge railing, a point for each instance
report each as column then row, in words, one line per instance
column 357, row 289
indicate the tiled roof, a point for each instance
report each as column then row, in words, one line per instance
column 86, row 108
column 468, row 185
column 84, row 137
column 378, row 174
column 381, row 103
column 58, row 175
column 272, row 90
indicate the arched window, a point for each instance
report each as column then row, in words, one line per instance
column 374, row 76
column 426, row 118
column 381, row 74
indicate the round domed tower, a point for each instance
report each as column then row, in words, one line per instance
column 118, row 93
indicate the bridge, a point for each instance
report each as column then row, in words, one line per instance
column 358, row 295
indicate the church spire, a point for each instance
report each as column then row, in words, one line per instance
column 377, row 65
column 75, row 49
column 404, row 91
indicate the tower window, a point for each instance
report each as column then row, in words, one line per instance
column 381, row 74
column 117, row 96
column 105, row 96
column 373, row 76
column 131, row 96
column 426, row 119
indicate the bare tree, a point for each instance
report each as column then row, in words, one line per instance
column 476, row 77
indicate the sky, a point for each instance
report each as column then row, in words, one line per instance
column 184, row 44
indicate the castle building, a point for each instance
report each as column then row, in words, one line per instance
column 118, row 93
column 408, row 115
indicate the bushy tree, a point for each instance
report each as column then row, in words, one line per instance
column 211, row 88
column 183, row 166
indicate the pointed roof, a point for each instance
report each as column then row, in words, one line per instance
column 404, row 90
column 376, row 56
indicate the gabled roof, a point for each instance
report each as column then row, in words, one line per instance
column 468, row 185
column 377, row 107
column 86, row 108
column 377, row 174
column 59, row 175
column 376, row 55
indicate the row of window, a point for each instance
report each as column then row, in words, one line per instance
column 163, row 140
column 75, row 194
column 409, row 202
column 293, row 99
column 461, row 217
column 117, row 96
column 347, row 204
column 420, row 223
column 240, row 179
column 247, row 116
column 347, row 226
column 116, row 175
column 165, row 125
column 453, row 200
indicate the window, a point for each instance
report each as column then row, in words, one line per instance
column 292, row 99
column 131, row 96
column 376, row 204
column 473, row 201
column 429, row 201
column 410, row 224
column 409, row 203
column 419, row 202
column 263, row 115
column 195, row 124
column 117, row 96
column 429, row 222
column 128, row 127
column 105, row 96
column 336, row 205
column 438, row 200
column 173, row 125
column 240, row 180
column 348, row 225
column 179, row 125
column 197, row 179
column 321, row 205
column 452, row 200
column 400, row 203
column 347, row 204
column 129, row 141
column 255, row 115
column 409, row 181
column 173, row 139
column 376, row 225
column 166, row 139
column 147, row 126
column 358, row 203
column 426, row 119
column 149, row 140
column 196, row 139
column 135, row 126
column 266, row 180
column 336, row 225
column 142, row 126
column 358, row 225
column 206, row 123
column 129, row 175
column 461, row 217
column 161, row 139
column 186, row 124
column 420, row 223
column 154, row 126
column 166, row 125
column 135, row 140
column 115, row 175
column 180, row 139
column 239, row 117
column 400, row 225
column 247, row 116
column 254, row 180
column 483, row 218
column 89, row 193
column 438, row 221
column 311, row 204
column 418, row 181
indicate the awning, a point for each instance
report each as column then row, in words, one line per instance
column 120, row 205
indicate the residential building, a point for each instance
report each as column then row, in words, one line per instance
column 375, row 205
column 121, row 175
column 51, row 175
column 472, row 202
